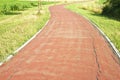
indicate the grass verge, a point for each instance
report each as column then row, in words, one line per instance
column 15, row 30
column 109, row 26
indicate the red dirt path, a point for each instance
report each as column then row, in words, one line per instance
column 68, row 48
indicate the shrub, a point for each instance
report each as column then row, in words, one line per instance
column 14, row 7
column 33, row 4
column 5, row 8
column 10, row 6
column 112, row 8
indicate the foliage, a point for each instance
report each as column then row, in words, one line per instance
column 5, row 8
column 93, row 6
column 11, row 5
column 101, row 1
column 112, row 8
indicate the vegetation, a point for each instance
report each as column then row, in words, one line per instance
column 92, row 10
column 18, row 27
column 9, row 6
column 112, row 8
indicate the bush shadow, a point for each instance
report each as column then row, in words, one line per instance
column 106, row 16
column 13, row 13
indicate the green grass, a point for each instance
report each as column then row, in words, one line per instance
column 15, row 30
column 101, row 1
column 110, row 27
column 10, row 6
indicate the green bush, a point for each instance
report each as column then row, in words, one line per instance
column 117, row 12
column 5, row 8
column 34, row 4
column 14, row 7
column 112, row 8
column 19, row 6
column 106, row 10
column 10, row 6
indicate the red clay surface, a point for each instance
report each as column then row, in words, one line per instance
column 68, row 48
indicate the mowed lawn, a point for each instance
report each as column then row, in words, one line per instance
column 92, row 10
column 19, row 26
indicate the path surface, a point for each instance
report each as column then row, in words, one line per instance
column 68, row 48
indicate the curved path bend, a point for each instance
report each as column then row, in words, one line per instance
column 68, row 48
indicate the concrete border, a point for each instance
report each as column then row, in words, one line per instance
column 30, row 39
column 27, row 42
column 115, row 50
column 108, row 40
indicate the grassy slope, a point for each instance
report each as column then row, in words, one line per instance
column 17, row 29
column 109, row 26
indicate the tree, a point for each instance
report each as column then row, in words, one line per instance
column 39, row 6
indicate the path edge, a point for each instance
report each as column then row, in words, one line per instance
column 21, row 47
column 110, row 43
column 107, row 39
column 115, row 50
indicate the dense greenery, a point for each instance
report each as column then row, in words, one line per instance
column 110, row 27
column 112, row 8
column 9, row 6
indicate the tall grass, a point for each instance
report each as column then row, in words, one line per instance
column 94, row 6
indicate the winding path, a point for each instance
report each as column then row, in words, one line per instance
column 68, row 48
